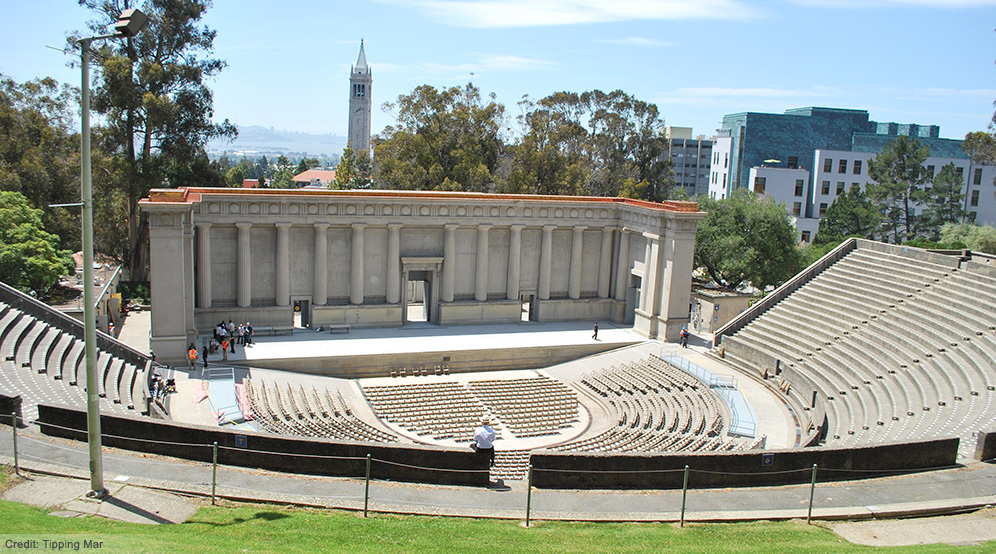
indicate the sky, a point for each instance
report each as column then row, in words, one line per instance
column 908, row 61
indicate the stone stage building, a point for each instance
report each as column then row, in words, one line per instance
column 359, row 258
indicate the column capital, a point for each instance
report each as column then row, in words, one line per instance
column 485, row 226
column 322, row 225
column 395, row 226
column 549, row 228
column 651, row 236
column 241, row 225
column 358, row 226
column 517, row 227
column 451, row 226
column 580, row 228
column 280, row 224
column 203, row 224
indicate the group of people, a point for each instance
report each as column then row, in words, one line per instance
column 226, row 336
column 160, row 387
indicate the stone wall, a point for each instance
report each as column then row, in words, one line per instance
column 562, row 470
column 411, row 463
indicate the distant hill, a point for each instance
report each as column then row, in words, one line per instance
column 254, row 139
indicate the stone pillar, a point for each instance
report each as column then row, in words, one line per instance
column 283, row 264
column 678, row 253
column 622, row 267
column 320, row 288
column 243, row 269
column 356, row 265
column 481, row 275
column 546, row 262
column 605, row 263
column 394, row 263
column 577, row 249
column 514, row 262
column 204, row 265
column 645, row 285
column 449, row 262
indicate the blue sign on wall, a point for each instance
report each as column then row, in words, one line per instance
column 767, row 460
column 241, row 441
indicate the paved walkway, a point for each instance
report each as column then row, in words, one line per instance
column 970, row 485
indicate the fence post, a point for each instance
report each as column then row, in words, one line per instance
column 529, row 493
column 214, row 470
column 366, row 489
column 684, row 495
column 13, row 425
column 812, row 492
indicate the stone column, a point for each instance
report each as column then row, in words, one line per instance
column 394, row 263
column 449, row 262
column 605, row 263
column 204, row 265
column 244, row 266
column 320, row 288
column 356, row 265
column 577, row 249
column 481, row 275
column 514, row 262
column 283, row 264
column 622, row 269
column 546, row 262
column 645, row 285
column 678, row 253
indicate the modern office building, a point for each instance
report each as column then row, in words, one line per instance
column 807, row 157
column 690, row 159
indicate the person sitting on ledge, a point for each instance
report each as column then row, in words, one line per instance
column 484, row 440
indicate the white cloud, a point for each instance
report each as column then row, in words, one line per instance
column 534, row 13
column 950, row 4
column 636, row 41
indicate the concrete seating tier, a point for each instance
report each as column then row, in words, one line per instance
column 442, row 410
column 657, row 408
column 287, row 410
column 903, row 349
column 529, row 407
column 44, row 363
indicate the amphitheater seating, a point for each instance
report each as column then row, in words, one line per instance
column 658, row 408
column 903, row 347
column 529, row 407
column 441, row 410
column 45, row 362
column 288, row 410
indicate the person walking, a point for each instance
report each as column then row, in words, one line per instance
column 204, row 354
column 594, row 335
column 224, row 348
column 191, row 356
column 484, row 440
column 684, row 337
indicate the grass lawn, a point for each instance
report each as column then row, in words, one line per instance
column 265, row 528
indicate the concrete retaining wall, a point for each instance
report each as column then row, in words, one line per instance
column 9, row 405
column 985, row 446
column 561, row 470
column 271, row 452
column 458, row 361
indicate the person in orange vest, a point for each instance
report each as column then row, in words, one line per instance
column 191, row 356
column 224, row 347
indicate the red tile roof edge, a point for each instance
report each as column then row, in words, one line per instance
column 196, row 194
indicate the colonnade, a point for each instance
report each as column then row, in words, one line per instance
column 244, row 264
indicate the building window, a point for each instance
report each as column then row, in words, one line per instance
column 799, row 185
column 842, row 168
column 975, row 198
column 960, row 172
column 972, row 216
column 793, row 162
column 930, row 171
column 840, row 187
column 797, row 209
column 726, row 159
column 823, row 209
column 825, row 188
column 805, row 236
column 724, row 180
column 759, row 184
column 857, row 167
column 827, row 165
column 977, row 178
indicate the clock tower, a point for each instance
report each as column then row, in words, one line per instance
column 360, row 104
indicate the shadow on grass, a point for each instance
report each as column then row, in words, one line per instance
column 265, row 516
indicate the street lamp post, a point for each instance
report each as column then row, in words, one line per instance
column 129, row 24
